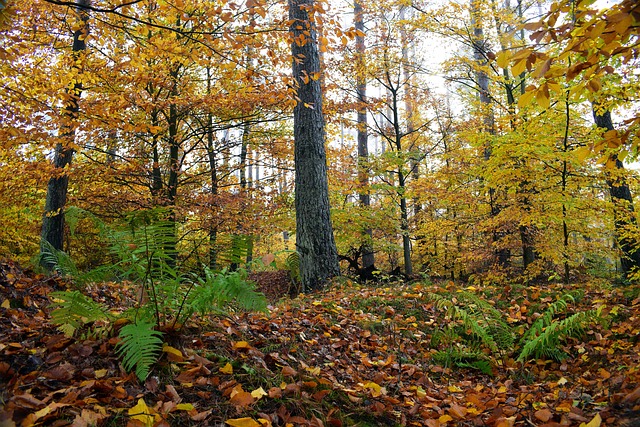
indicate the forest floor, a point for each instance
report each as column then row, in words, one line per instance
column 351, row 355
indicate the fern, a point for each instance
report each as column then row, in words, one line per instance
column 72, row 309
column 139, row 347
column 214, row 291
column 238, row 249
column 453, row 356
column 555, row 308
column 57, row 260
column 547, row 343
column 470, row 321
column 292, row 264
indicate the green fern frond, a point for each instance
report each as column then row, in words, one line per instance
column 57, row 260
column 139, row 347
column 214, row 291
column 475, row 323
column 547, row 317
column 463, row 358
column 237, row 249
column 292, row 264
column 72, row 309
column 547, row 343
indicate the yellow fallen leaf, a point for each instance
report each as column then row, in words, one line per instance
column 420, row 392
column 376, row 390
column 100, row 373
column 6, row 304
column 258, row 393
column 227, row 369
column 243, row 422
column 141, row 412
column 595, row 422
column 174, row 352
column 445, row 419
column 454, row 389
column 241, row 344
column 562, row 381
column 184, row 407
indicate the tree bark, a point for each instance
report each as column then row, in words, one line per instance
column 314, row 240
column 368, row 258
column 56, row 199
column 482, row 80
column 623, row 211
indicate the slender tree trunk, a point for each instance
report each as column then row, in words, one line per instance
column 213, row 170
column 363, row 148
column 623, row 211
column 56, row 199
column 482, row 80
column 315, row 241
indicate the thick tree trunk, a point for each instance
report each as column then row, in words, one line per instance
column 56, row 199
column 314, row 240
column 623, row 213
column 363, row 148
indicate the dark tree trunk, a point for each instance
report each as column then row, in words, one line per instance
column 314, row 239
column 56, row 199
column 368, row 259
column 623, row 211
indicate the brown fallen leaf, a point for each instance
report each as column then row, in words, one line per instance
column 543, row 415
column 632, row 397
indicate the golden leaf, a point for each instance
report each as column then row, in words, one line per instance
column 258, row 393
column 227, row 369
column 376, row 390
column 141, row 412
column 595, row 422
column 503, row 58
column 243, row 422
column 519, row 67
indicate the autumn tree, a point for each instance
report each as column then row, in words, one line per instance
column 53, row 219
column 314, row 234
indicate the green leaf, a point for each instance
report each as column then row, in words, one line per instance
column 139, row 347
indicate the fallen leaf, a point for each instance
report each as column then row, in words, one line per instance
column 243, row 422
column 242, row 399
column 595, row 422
column 376, row 390
column 227, row 369
column 184, row 407
column 141, row 412
column 543, row 415
column 174, row 354
column 258, row 393
column 241, row 345
column 445, row 419
column 288, row 371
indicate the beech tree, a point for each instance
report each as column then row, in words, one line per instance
column 53, row 219
column 314, row 234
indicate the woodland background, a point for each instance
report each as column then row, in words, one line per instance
column 187, row 107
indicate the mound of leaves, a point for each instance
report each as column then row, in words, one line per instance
column 351, row 355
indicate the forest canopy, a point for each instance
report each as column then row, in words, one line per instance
column 505, row 154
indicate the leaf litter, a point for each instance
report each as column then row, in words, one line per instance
column 351, row 355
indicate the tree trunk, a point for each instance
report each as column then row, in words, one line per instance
column 56, row 199
column 314, row 241
column 482, row 80
column 623, row 211
column 363, row 149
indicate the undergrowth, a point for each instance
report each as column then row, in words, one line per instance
column 144, row 253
